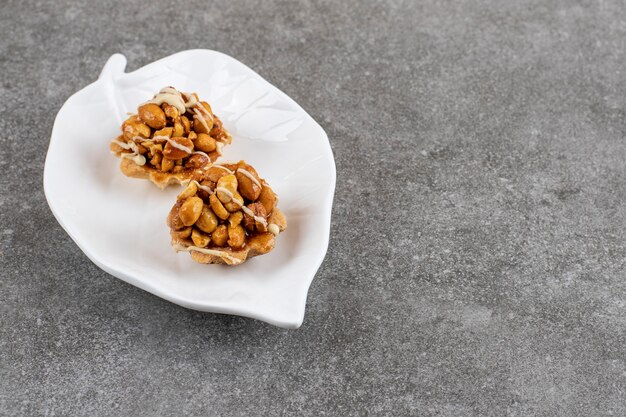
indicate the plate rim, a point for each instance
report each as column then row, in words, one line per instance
column 114, row 67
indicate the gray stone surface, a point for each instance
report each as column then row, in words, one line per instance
column 477, row 259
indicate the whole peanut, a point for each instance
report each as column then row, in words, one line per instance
column 190, row 191
column 248, row 188
column 152, row 115
column 179, row 130
column 235, row 218
column 218, row 207
column 200, row 239
column 267, row 198
column 220, row 235
column 228, row 183
column 183, row 233
column 190, row 210
column 236, row 236
column 205, row 143
column 186, row 124
column 133, row 127
column 207, row 222
column 171, row 112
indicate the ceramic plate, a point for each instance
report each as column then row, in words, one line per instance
column 119, row 222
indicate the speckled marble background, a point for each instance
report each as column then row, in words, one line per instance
column 477, row 263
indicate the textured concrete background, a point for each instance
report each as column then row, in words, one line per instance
column 477, row 257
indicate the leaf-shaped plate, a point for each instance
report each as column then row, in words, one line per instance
column 119, row 222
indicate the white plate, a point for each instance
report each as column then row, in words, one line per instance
column 119, row 222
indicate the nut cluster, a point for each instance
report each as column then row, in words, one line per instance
column 170, row 140
column 227, row 213
column 223, row 207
